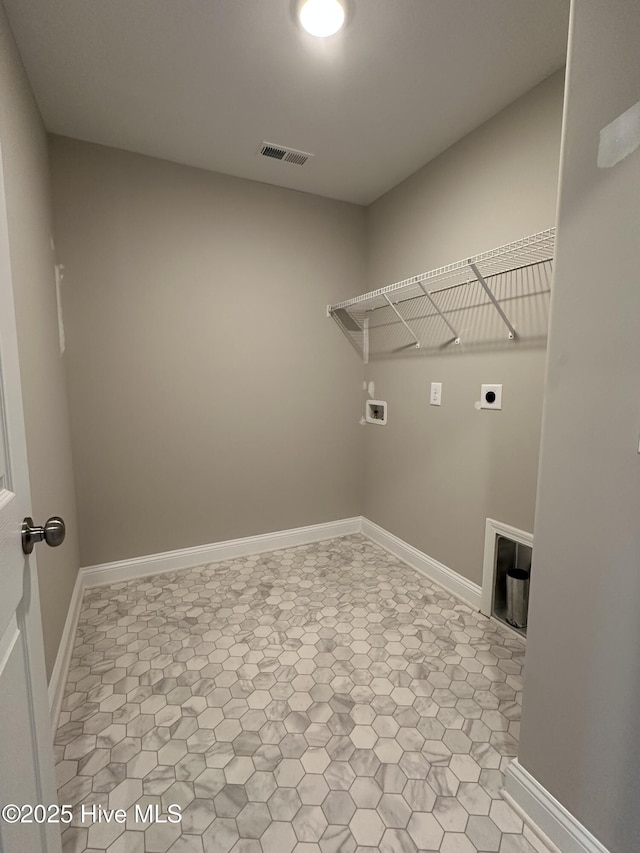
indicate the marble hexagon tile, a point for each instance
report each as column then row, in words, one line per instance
column 320, row 699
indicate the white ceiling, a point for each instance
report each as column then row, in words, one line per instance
column 203, row 82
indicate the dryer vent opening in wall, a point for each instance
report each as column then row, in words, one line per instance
column 286, row 155
column 507, row 571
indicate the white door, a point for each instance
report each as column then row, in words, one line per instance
column 26, row 752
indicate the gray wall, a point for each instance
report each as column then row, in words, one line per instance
column 204, row 376
column 210, row 396
column 433, row 475
column 26, row 174
column 582, row 690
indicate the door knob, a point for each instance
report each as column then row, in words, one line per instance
column 53, row 533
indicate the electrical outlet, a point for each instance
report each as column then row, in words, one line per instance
column 436, row 394
column 491, row 397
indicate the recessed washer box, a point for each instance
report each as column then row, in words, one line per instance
column 376, row 412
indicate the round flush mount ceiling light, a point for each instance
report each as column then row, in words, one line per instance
column 321, row 18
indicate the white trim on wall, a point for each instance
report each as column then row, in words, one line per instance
column 170, row 561
column 492, row 530
column 60, row 670
column 545, row 814
column 445, row 577
column 186, row 558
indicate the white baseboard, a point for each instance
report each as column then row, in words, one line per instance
column 63, row 658
column 465, row 589
column 544, row 813
column 186, row 558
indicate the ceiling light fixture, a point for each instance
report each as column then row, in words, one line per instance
column 322, row 18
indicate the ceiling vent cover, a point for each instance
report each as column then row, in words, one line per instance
column 286, row 155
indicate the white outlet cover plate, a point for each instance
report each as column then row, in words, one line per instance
column 436, row 394
column 497, row 403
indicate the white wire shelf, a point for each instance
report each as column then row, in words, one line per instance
column 496, row 294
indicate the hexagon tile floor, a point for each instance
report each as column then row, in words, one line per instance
column 320, row 699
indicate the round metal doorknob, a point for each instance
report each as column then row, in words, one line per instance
column 52, row 533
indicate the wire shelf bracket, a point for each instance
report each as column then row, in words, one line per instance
column 428, row 294
column 494, row 301
column 403, row 321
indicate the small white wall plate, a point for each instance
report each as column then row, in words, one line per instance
column 491, row 397
column 376, row 412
